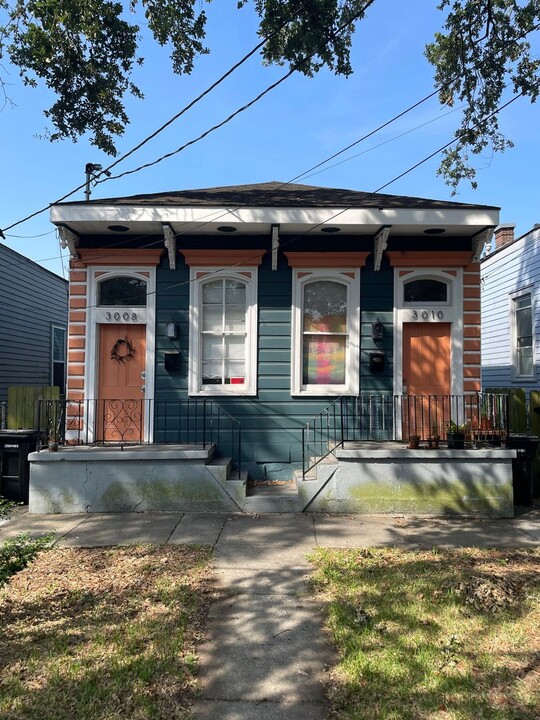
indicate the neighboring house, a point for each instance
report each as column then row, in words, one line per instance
column 511, row 310
column 33, row 324
column 254, row 309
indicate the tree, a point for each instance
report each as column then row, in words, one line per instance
column 85, row 52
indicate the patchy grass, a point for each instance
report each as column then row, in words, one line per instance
column 444, row 635
column 103, row 634
column 17, row 552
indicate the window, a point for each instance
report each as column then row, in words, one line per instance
column 125, row 291
column 523, row 334
column 425, row 291
column 58, row 358
column 223, row 358
column 325, row 342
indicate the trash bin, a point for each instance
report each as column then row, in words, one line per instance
column 15, row 446
column 522, row 466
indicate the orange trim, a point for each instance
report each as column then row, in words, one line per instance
column 471, row 357
column 77, row 276
column 471, row 292
column 77, row 289
column 471, row 305
column 326, row 259
column 441, row 260
column 76, row 356
column 471, row 385
column 404, row 272
column 471, row 332
column 127, row 257
column 473, row 267
column 471, row 372
column 77, row 316
column 76, row 330
column 75, row 395
column 471, row 318
column 77, row 303
column 470, row 344
column 75, row 383
column 76, row 343
column 471, row 278
column 223, row 258
column 75, row 369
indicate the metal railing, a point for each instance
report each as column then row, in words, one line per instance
column 120, row 423
column 480, row 418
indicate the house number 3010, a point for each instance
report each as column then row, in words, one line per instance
column 125, row 316
column 428, row 315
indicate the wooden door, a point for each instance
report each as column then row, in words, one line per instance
column 426, row 377
column 122, row 362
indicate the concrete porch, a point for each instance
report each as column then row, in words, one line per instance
column 360, row 477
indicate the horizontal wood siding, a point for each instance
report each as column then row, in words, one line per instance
column 272, row 421
column 32, row 300
column 510, row 270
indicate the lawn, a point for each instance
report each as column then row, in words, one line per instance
column 103, row 634
column 442, row 634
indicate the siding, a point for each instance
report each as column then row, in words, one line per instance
column 32, row 299
column 272, row 421
column 504, row 272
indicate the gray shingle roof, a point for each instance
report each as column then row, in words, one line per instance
column 280, row 194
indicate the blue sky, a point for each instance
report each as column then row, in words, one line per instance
column 293, row 128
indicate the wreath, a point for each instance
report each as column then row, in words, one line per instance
column 127, row 354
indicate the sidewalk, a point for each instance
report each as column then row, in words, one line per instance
column 266, row 655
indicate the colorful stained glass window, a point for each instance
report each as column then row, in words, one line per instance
column 324, row 333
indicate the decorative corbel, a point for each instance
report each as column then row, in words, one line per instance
column 69, row 240
column 275, row 246
column 479, row 242
column 170, row 244
column 380, row 244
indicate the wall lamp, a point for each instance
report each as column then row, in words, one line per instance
column 172, row 330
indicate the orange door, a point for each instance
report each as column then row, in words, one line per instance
column 426, row 372
column 122, row 361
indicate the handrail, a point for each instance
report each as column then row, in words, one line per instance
column 121, row 423
column 322, row 435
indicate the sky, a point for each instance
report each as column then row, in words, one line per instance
column 294, row 127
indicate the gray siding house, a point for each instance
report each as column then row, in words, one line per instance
column 33, row 324
column 510, row 277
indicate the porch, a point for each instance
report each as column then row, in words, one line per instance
column 354, row 459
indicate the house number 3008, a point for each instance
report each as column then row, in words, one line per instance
column 428, row 314
column 125, row 316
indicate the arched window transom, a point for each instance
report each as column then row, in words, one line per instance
column 124, row 291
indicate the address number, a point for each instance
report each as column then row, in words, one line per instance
column 428, row 314
column 125, row 316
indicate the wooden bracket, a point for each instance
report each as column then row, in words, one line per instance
column 479, row 242
column 170, row 244
column 380, row 244
column 69, row 240
column 275, row 246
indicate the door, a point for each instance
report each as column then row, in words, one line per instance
column 121, row 371
column 426, row 378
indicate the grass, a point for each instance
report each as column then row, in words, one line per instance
column 438, row 635
column 103, row 634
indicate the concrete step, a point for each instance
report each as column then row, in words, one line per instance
column 272, row 488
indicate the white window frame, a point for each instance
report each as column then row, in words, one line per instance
column 198, row 277
column 516, row 375
column 350, row 277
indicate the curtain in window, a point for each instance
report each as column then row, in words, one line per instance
column 324, row 333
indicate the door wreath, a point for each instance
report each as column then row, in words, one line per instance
column 123, row 350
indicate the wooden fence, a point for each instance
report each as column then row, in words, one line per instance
column 23, row 405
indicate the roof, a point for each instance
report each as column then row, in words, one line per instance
column 279, row 194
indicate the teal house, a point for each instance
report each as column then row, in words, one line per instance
column 268, row 327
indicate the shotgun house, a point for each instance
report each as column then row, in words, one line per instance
column 265, row 327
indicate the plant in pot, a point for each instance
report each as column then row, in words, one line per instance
column 455, row 435
column 414, row 442
column 434, row 438
column 54, row 429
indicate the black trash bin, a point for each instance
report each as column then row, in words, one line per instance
column 15, row 446
column 522, row 466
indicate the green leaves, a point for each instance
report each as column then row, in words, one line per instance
column 483, row 54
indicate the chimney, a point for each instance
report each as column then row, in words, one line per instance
column 504, row 235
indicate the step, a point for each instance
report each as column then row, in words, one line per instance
column 272, row 488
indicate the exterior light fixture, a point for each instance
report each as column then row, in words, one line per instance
column 377, row 331
column 172, row 330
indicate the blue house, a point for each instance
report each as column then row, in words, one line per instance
column 270, row 322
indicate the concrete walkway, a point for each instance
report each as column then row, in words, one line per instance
column 266, row 655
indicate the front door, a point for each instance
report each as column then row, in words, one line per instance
column 426, row 377
column 122, row 362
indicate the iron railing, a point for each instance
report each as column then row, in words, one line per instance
column 480, row 417
column 196, row 421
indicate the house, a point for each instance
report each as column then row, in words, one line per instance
column 271, row 323
column 33, row 324
column 510, row 310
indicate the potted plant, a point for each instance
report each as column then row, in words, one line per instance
column 455, row 435
column 414, row 442
column 434, row 438
column 54, row 428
